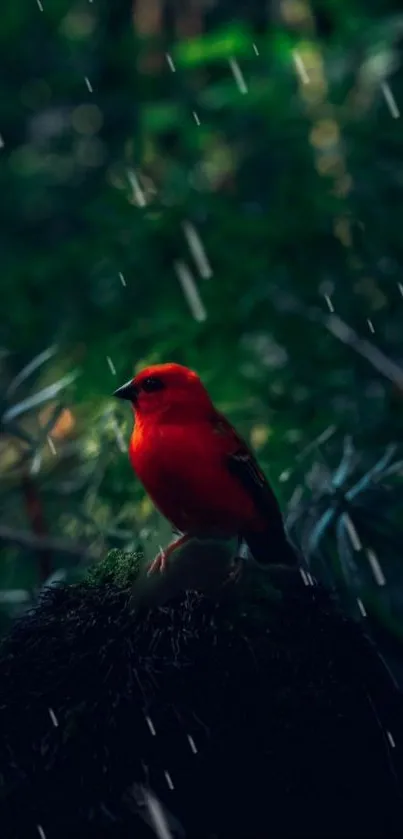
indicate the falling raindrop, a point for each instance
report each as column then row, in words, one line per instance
column 375, row 567
column 171, row 65
column 255, row 49
column 138, row 194
column 53, row 717
column 169, row 780
column 390, row 100
column 361, row 607
column 370, row 325
column 192, row 744
column 197, row 250
column 304, row 576
column 122, row 279
column 300, row 67
column 41, row 831
column 238, row 76
column 196, row 118
column 51, row 444
column 36, row 464
column 329, row 303
column 111, row 365
column 151, row 726
column 355, row 539
column 190, row 291
column 88, row 83
column 391, row 739
column 157, row 816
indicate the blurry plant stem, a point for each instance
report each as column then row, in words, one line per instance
column 43, row 544
column 36, row 518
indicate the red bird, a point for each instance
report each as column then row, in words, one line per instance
column 198, row 472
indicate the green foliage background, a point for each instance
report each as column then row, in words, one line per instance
column 275, row 138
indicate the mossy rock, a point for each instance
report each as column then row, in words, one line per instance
column 118, row 567
column 246, row 714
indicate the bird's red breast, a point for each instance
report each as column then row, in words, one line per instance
column 185, row 471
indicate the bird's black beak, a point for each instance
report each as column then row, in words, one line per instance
column 127, row 391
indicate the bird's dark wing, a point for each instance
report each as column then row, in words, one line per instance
column 268, row 542
column 244, row 467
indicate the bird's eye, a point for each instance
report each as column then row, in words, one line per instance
column 152, row 384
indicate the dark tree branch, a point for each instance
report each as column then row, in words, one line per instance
column 36, row 543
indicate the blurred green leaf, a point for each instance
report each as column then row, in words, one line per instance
column 224, row 43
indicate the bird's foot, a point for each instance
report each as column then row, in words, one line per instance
column 158, row 564
column 161, row 560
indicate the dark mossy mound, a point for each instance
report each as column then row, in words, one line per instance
column 272, row 692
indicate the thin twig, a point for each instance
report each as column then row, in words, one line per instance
column 36, row 517
column 347, row 335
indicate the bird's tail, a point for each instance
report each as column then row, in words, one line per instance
column 272, row 547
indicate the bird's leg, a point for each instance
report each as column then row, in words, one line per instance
column 160, row 561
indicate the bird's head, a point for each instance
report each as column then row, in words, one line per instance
column 164, row 388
